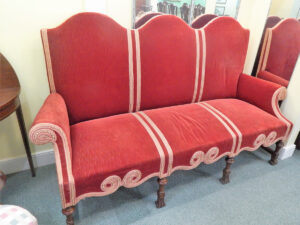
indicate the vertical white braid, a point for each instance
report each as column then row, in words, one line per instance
column 155, row 141
column 138, row 70
column 203, row 64
column 48, row 60
column 197, row 66
column 237, row 130
column 163, row 139
column 223, row 123
column 262, row 53
column 267, row 51
column 131, row 76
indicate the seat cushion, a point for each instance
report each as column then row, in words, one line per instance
column 126, row 150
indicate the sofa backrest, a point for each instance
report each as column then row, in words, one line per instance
column 281, row 48
column 103, row 69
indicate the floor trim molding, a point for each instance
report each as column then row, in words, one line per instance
column 13, row 165
column 287, row 151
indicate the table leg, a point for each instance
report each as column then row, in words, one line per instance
column 25, row 138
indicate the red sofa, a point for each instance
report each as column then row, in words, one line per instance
column 280, row 51
column 127, row 105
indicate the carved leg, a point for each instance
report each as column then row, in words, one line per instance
column 226, row 171
column 68, row 212
column 161, row 192
column 274, row 155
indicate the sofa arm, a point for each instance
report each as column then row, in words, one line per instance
column 51, row 120
column 261, row 93
column 265, row 75
column 51, row 125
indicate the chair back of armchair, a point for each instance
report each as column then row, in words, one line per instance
column 103, row 69
column 202, row 20
column 281, row 48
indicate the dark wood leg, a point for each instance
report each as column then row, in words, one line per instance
column 274, row 155
column 25, row 138
column 68, row 212
column 226, row 171
column 297, row 142
column 161, row 192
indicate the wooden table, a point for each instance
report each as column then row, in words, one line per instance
column 10, row 102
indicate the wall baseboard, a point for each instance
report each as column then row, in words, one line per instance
column 18, row 164
column 287, row 151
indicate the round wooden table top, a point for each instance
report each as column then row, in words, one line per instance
column 9, row 88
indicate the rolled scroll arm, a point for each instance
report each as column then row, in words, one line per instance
column 51, row 125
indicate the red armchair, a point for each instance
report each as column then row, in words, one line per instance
column 118, row 116
column 280, row 51
column 144, row 18
column 202, row 20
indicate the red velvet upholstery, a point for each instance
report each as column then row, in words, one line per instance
column 52, row 125
column 144, row 18
column 163, row 83
column 147, row 102
column 270, row 22
column 202, row 20
column 280, row 50
column 91, row 67
column 125, row 144
column 225, row 57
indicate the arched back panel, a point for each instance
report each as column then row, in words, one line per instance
column 282, row 48
column 226, row 43
column 270, row 22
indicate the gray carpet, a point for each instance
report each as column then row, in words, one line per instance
column 258, row 194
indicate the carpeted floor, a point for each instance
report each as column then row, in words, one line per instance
column 258, row 194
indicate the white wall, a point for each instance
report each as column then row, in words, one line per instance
column 252, row 15
column 285, row 9
column 20, row 43
column 291, row 105
column 119, row 10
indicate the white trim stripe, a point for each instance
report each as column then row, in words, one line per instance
column 203, row 64
column 163, row 139
column 131, row 76
column 277, row 112
column 267, row 51
column 34, row 135
column 262, row 53
column 59, row 174
column 240, row 136
column 48, row 60
column 223, row 123
column 197, row 66
column 138, row 70
column 155, row 140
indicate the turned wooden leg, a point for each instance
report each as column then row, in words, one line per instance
column 25, row 138
column 274, row 155
column 161, row 192
column 226, row 171
column 68, row 212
